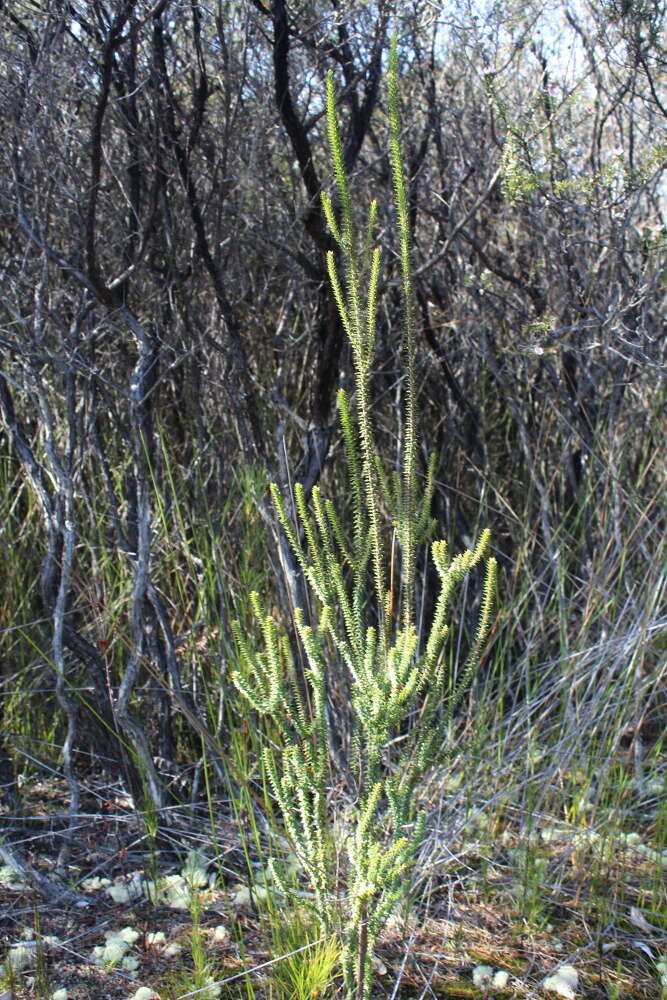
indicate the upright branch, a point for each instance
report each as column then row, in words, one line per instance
column 359, row 322
column 407, row 498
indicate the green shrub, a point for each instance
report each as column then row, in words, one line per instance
column 395, row 671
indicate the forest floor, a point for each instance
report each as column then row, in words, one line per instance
column 505, row 912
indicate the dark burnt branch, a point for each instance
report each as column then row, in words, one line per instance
column 47, row 886
column 62, row 466
column 51, row 579
column 202, row 90
column 33, row 468
column 58, row 512
column 113, row 40
column 533, row 290
column 126, row 78
column 471, row 420
column 152, row 786
column 31, row 41
column 293, row 124
column 240, row 391
column 641, row 55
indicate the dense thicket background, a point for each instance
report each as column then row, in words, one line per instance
column 169, row 344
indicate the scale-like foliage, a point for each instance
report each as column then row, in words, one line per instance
column 393, row 667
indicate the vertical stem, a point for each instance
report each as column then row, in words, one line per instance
column 362, row 952
column 368, row 472
column 62, row 538
column 407, row 499
column 361, row 345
